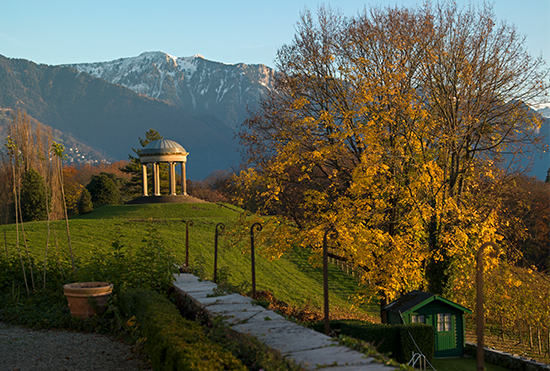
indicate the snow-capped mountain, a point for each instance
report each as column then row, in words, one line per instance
column 193, row 83
column 110, row 118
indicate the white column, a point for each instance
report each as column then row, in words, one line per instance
column 156, row 177
column 144, row 179
column 172, row 172
column 183, row 180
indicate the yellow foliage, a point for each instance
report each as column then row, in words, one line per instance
column 379, row 129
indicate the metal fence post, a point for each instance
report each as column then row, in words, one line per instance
column 187, row 224
column 333, row 234
column 222, row 226
column 480, row 315
column 258, row 228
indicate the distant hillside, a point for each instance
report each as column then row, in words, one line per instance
column 542, row 160
column 111, row 117
column 76, row 151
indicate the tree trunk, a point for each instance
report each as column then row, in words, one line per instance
column 383, row 302
column 66, row 215
column 25, row 240
column 58, row 255
column 48, row 227
column 6, row 244
column 539, row 341
column 530, row 337
column 520, row 333
column 17, row 233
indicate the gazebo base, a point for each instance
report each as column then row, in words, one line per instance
column 165, row 199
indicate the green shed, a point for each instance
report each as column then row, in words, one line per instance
column 446, row 317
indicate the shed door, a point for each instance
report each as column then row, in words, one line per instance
column 445, row 337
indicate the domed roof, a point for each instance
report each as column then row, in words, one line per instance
column 162, row 146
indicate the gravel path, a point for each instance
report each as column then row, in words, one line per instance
column 22, row 349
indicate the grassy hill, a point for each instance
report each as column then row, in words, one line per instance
column 291, row 278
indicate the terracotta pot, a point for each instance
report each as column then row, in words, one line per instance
column 87, row 298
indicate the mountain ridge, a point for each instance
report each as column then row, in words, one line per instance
column 111, row 117
column 191, row 83
column 108, row 105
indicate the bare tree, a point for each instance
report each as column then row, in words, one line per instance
column 58, row 152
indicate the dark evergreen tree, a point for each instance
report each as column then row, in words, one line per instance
column 119, row 182
column 548, row 176
column 103, row 190
column 33, row 198
column 85, row 204
column 133, row 186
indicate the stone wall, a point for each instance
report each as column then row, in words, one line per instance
column 507, row 360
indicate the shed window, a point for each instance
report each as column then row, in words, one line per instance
column 418, row 318
column 443, row 322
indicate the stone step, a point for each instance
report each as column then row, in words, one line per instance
column 311, row 349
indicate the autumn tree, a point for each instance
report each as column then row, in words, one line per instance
column 33, row 143
column 216, row 187
column 526, row 216
column 6, row 193
column 394, row 127
column 58, row 154
column 72, row 188
column 27, row 148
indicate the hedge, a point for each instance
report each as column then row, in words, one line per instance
column 394, row 340
column 171, row 341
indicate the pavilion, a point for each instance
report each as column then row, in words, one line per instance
column 163, row 151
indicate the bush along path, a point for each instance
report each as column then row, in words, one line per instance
column 306, row 347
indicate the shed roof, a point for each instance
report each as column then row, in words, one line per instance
column 417, row 299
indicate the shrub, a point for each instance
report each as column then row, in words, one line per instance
column 33, row 197
column 423, row 336
column 103, row 190
column 85, row 204
column 151, row 265
column 172, row 342
column 390, row 339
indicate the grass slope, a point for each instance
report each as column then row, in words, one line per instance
column 291, row 278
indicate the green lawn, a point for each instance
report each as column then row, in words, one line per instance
column 290, row 278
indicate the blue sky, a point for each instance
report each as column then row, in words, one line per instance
column 60, row 31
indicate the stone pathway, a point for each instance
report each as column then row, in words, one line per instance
column 307, row 347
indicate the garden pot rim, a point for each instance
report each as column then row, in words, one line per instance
column 88, row 287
